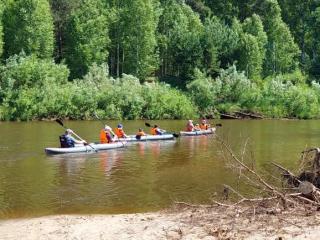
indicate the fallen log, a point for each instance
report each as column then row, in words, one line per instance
column 248, row 115
column 309, row 191
column 228, row 116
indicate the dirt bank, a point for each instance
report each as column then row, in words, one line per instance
column 177, row 223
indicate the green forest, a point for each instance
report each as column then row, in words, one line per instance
column 158, row 59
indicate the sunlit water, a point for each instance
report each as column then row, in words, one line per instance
column 141, row 177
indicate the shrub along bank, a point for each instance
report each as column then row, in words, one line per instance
column 33, row 88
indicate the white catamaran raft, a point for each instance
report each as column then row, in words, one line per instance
column 134, row 138
column 200, row 132
column 88, row 148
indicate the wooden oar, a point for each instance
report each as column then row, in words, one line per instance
column 59, row 121
column 176, row 135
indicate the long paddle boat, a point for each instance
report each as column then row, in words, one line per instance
column 199, row 132
column 92, row 147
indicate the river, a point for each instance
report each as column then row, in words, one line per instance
column 140, row 177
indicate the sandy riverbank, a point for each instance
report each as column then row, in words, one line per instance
column 178, row 223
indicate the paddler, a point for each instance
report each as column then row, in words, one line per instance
column 68, row 141
column 107, row 135
column 119, row 131
column 190, row 126
column 197, row 127
column 204, row 125
column 157, row 131
column 141, row 132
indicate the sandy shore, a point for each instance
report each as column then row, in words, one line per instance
column 182, row 223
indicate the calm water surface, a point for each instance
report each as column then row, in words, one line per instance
column 141, row 177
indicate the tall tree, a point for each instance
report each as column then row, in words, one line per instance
column 253, row 47
column 299, row 16
column 282, row 51
column 28, row 27
column 219, row 43
column 87, row 37
column 224, row 9
column 140, row 19
column 180, row 35
column 133, row 37
column 61, row 11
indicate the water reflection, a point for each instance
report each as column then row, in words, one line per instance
column 110, row 160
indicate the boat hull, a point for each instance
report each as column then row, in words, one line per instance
column 198, row 133
column 89, row 148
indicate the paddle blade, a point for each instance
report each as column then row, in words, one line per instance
column 147, row 124
column 59, row 121
column 218, row 125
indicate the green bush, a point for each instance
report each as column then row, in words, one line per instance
column 35, row 89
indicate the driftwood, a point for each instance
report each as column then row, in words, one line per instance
column 295, row 196
column 301, row 195
column 248, row 115
column 240, row 115
column 228, row 116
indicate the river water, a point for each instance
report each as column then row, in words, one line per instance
column 142, row 176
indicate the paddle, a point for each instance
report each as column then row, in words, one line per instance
column 176, row 135
column 59, row 121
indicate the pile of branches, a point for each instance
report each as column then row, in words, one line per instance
column 289, row 191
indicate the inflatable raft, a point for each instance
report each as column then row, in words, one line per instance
column 93, row 147
column 134, row 138
column 196, row 133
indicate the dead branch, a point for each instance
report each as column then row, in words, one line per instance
column 258, row 177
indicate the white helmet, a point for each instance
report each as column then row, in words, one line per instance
column 107, row 128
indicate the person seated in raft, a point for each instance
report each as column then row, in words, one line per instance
column 119, row 131
column 190, row 126
column 67, row 141
column 197, row 127
column 157, row 131
column 140, row 133
column 204, row 125
column 107, row 135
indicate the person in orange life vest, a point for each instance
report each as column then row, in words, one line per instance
column 157, row 131
column 197, row 127
column 119, row 131
column 204, row 125
column 141, row 132
column 107, row 135
column 190, row 126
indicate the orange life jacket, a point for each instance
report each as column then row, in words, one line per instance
column 204, row 126
column 103, row 137
column 119, row 132
column 141, row 133
column 154, row 131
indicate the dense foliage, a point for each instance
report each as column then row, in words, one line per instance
column 158, row 58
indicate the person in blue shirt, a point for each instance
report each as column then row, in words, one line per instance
column 67, row 140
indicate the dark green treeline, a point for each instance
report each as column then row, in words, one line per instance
column 254, row 46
